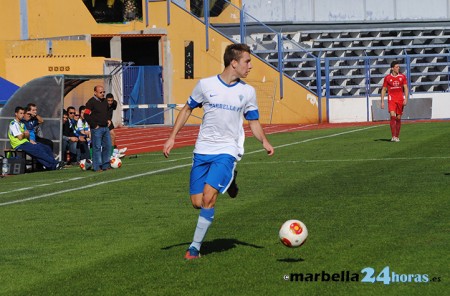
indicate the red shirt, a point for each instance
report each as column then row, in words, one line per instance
column 395, row 85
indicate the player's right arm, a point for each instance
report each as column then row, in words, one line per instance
column 383, row 91
column 179, row 123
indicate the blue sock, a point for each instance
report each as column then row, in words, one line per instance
column 204, row 221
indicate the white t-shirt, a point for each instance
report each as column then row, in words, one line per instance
column 225, row 107
column 82, row 126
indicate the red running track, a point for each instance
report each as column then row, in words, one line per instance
column 149, row 139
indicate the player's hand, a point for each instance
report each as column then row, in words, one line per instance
column 269, row 148
column 167, row 147
column 405, row 102
column 382, row 105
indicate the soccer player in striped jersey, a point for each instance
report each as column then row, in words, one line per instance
column 226, row 101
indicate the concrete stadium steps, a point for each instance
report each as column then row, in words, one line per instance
column 428, row 48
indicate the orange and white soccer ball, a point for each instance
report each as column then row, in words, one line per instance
column 85, row 164
column 115, row 162
column 293, row 233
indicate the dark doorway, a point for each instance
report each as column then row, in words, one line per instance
column 143, row 51
column 101, row 47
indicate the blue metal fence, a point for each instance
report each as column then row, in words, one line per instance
column 142, row 95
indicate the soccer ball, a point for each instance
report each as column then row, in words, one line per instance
column 115, row 162
column 293, row 233
column 85, row 164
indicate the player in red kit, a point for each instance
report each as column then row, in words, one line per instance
column 397, row 87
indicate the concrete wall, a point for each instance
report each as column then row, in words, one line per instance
column 355, row 109
column 347, row 10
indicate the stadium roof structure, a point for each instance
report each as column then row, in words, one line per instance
column 48, row 93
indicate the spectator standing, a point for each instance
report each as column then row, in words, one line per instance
column 96, row 114
column 112, row 105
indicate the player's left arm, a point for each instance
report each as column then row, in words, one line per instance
column 405, row 92
column 259, row 134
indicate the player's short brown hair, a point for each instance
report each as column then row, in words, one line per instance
column 234, row 52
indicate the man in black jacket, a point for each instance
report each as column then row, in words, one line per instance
column 96, row 115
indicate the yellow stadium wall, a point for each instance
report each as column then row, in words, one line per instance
column 24, row 60
column 28, row 59
column 10, row 20
column 52, row 18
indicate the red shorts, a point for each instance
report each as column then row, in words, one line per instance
column 396, row 106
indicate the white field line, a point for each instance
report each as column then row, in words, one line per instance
column 43, row 185
column 157, row 171
column 345, row 160
column 318, row 138
column 93, row 185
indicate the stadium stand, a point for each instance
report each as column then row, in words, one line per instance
column 355, row 61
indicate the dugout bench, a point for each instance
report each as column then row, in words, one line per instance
column 19, row 162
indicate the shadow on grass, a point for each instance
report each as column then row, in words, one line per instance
column 382, row 140
column 217, row 245
column 291, row 260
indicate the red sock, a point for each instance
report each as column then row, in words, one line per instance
column 393, row 126
column 398, row 126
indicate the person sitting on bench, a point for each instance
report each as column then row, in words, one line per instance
column 19, row 139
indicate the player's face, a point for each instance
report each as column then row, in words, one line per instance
column 19, row 114
column 244, row 65
column 396, row 69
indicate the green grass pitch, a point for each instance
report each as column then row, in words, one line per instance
column 367, row 203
